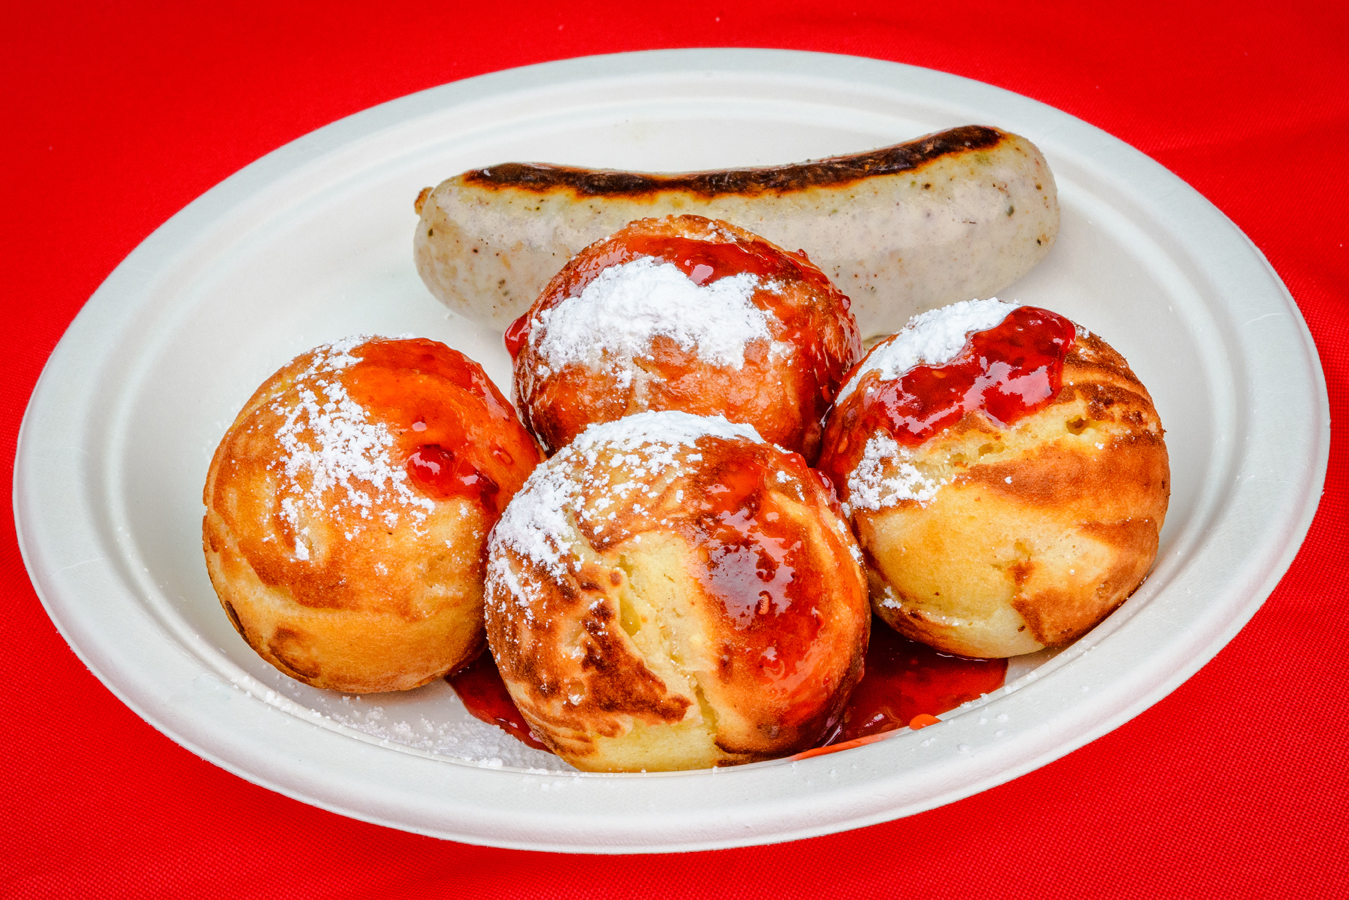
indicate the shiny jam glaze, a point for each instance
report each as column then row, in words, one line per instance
column 760, row 564
column 763, row 565
column 455, row 432
column 1008, row 372
column 703, row 261
column 485, row 696
column 907, row 683
column 517, row 334
column 440, row 473
column 707, row 261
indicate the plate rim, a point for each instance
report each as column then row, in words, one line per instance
column 298, row 779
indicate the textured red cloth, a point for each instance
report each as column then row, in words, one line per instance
column 116, row 115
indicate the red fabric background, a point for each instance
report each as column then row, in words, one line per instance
column 116, row 115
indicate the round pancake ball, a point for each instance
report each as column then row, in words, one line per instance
column 1006, row 475
column 348, row 507
column 669, row 592
column 689, row 314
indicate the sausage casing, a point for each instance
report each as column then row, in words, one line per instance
column 955, row 215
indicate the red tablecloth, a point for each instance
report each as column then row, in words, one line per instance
column 116, row 115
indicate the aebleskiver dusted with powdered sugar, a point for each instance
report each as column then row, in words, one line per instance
column 348, row 508
column 1006, row 498
column 669, row 592
column 684, row 313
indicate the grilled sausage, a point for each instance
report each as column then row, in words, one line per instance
column 951, row 216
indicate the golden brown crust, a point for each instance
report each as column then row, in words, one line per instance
column 783, row 387
column 1039, row 531
column 645, row 643
column 353, row 586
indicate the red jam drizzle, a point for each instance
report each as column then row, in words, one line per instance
column 485, row 697
column 442, row 474
column 419, row 356
column 759, row 565
column 517, row 334
column 907, row 683
column 707, row 261
column 1008, row 371
column 458, row 435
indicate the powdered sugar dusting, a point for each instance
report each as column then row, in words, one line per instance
column 885, row 476
column 428, row 721
column 616, row 317
column 333, row 455
column 932, row 338
column 662, row 428
column 618, row 461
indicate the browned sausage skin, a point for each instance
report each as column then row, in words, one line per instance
column 834, row 172
column 954, row 215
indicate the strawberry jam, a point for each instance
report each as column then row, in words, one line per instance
column 907, row 683
column 485, row 696
column 1006, row 372
column 517, row 334
column 707, row 261
column 457, row 435
column 761, row 565
column 440, row 473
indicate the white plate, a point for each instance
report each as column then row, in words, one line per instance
column 313, row 242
